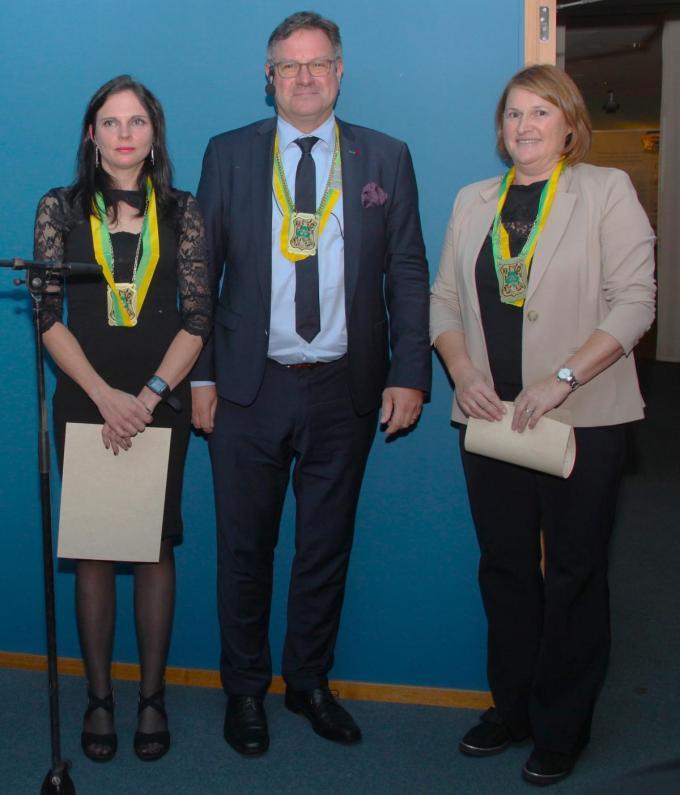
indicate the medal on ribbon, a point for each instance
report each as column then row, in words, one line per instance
column 300, row 232
column 512, row 279
column 127, row 297
column 124, row 300
column 513, row 272
column 303, row 233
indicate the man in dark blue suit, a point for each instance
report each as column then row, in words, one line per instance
column 322, row 320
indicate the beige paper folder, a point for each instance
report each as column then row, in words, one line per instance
column 112, row 506
column 550, row 447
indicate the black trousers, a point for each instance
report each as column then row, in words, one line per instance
column 302, row 418
column 549, row 636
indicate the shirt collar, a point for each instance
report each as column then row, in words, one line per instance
column 324, row 132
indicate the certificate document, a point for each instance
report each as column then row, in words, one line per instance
column 549, row 447
column 112, row 505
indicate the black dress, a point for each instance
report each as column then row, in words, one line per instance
column 127, row 357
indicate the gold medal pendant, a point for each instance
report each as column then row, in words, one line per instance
column 128, row 297
column 303, row 233
column 512, row 279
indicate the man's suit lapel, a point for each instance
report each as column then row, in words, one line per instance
column 262, row 165
column 352, row 177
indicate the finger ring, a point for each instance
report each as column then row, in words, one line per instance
column 529, row 411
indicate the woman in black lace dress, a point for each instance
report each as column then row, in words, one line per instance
column 545, row 284
column 123, row 359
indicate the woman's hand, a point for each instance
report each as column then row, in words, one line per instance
column 476, row 396
column 149, row 399
column 535, row 400
column 125, row 414
column 114, row 442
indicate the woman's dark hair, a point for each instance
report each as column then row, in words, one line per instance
column 90, row 179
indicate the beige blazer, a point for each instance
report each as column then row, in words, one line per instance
column 593, row 269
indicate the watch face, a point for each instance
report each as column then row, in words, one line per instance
column 157, row 385
column 564, row 374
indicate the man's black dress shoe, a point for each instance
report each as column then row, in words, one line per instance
column 490, row 736
column 327, row 717
column 547, row 767
column 245, row 725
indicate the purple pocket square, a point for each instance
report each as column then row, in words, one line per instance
column 372, row 195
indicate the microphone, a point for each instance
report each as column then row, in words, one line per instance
column 62, row 268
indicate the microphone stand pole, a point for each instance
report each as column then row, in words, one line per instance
column 39, row 282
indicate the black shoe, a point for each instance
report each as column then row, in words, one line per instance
column 490, row 736
column 327, row 717
column 150, row 746
column 99, row 747
column 547, row 767
column 245, row 725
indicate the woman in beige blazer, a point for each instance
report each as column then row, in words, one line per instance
column 545, row 285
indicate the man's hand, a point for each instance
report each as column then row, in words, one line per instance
column 203, row 405
column 401, row 407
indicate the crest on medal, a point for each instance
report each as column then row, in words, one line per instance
column 128, row 298
column 512, row 279
column 303, row 233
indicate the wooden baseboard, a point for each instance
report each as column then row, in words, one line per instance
column 196, row 677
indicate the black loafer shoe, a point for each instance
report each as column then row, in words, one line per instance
column 490, row 736
column 547, row 767
column 327, row 717
column 245, row 725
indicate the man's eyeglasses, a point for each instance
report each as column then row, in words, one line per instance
column 318, row 68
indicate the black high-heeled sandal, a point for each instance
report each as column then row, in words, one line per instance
column 143, row 740
column 107, row 742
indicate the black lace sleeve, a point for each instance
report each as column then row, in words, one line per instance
column 192, row 270
column 49, row 234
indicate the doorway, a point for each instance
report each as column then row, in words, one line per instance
column 613, row 49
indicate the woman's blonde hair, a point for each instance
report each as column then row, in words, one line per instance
column 554, row 86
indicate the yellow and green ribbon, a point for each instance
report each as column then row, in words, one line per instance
column 328, row 201
column 103, row 252
column 500, row 240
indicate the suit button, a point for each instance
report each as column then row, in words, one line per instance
column 532, row 315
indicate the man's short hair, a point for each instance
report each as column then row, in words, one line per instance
column 305, row 20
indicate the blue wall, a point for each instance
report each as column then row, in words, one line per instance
column 428, row 73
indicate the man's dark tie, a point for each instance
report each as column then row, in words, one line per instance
column 307, row 312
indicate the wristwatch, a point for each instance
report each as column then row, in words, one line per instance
column 161, row 388
column 566, row 376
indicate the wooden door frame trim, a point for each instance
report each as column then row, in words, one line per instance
column 535, row 50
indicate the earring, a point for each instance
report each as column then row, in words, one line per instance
column 96, row 156
column 153, row 162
